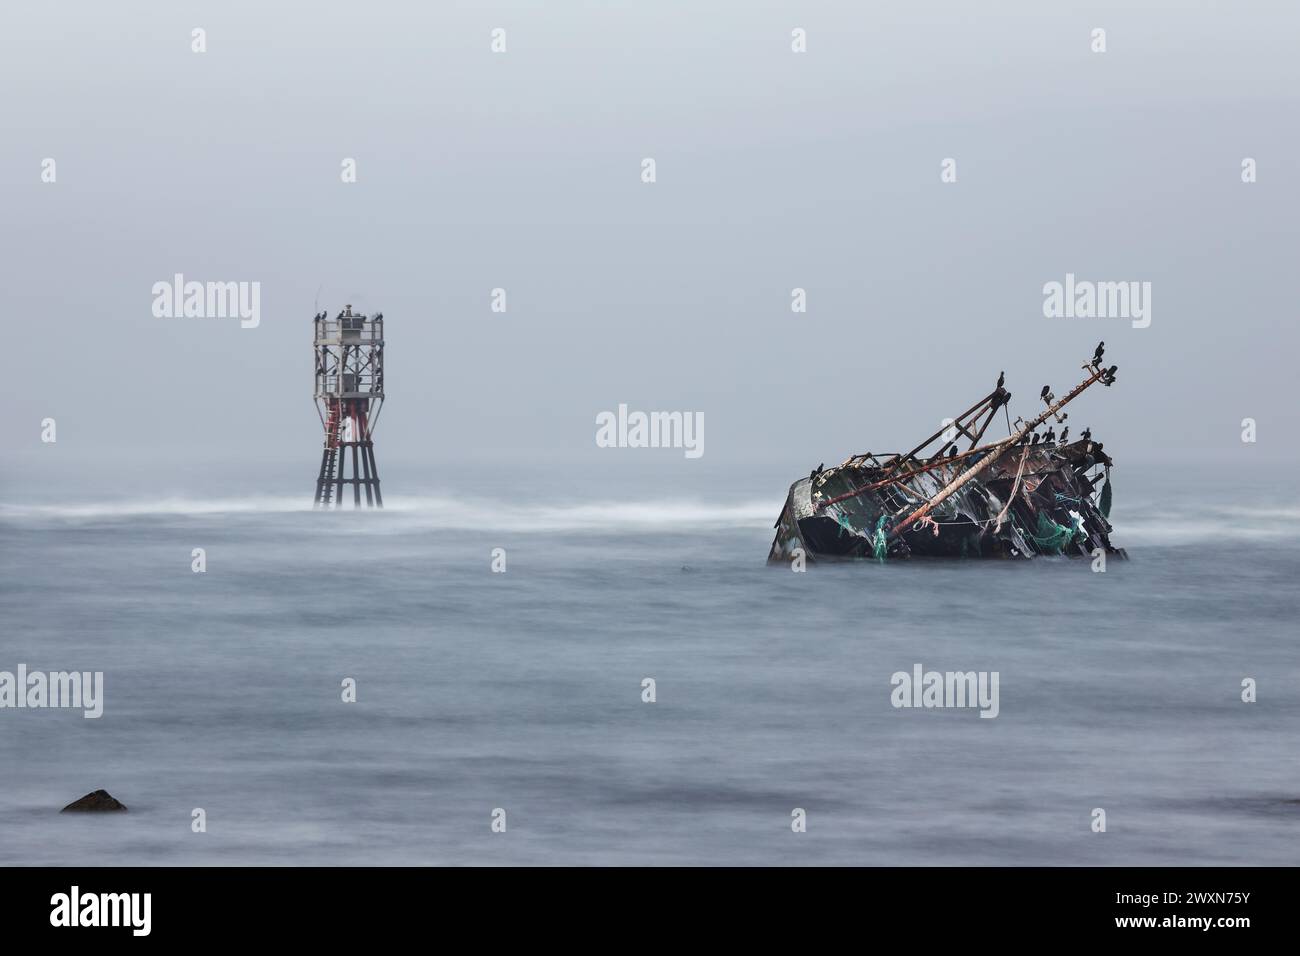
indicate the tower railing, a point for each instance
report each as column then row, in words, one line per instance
column 349, row 330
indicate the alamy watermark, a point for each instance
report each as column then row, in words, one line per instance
column 922, row 688
column 37, row 689
column 208, row 300
column 626, row 429
column 75, row 908
column 1085, row 299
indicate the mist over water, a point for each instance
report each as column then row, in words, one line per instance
column 522, row 690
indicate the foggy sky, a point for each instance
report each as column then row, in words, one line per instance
column 522, row 170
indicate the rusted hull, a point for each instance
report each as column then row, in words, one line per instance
column 1027, row 500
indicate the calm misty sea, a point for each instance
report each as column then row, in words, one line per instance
column 523, row 690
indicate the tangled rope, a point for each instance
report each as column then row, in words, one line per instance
column 1002, row 515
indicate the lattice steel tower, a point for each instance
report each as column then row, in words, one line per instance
column 349, row 354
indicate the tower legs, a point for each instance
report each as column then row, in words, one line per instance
column 334, row 459
column 326, row 477
column 334, row 477
column 373, row 474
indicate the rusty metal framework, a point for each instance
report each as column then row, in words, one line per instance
column 1053, row 410
column 349, row 356
column 972, row 424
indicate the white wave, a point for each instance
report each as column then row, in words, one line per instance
column 1129, row 534
column 93, row 510
column 589, row 516
column 1133, row 526
column 1189, row 523
column 432, row 512
column 1264, row 513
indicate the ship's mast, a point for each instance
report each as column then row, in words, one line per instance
column 971, row 423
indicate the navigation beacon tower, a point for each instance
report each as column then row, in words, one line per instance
column 349, row 355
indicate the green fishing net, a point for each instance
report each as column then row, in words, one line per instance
column 1050, row 537
column 879, row 540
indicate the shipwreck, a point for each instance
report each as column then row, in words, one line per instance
column 1031, row 493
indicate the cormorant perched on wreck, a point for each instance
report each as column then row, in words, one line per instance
column 1064, row 432
column 1051, row 436
column 1087, row 434
column 1002, row 379
column 953, row 450
column 1047, row 390
column 1096, row 356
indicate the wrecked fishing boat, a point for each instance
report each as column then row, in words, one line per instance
column 1031, row 493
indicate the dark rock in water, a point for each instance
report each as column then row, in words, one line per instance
column 92, row 802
